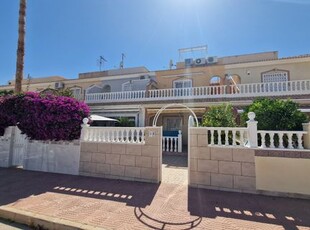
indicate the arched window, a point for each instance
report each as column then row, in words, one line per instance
column 215, row 80
column 107, row 89
column 76, row 92
column 94, row 89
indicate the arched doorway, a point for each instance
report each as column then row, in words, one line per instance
column 174, row 164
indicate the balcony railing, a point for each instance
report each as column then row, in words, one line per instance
column 241, row 90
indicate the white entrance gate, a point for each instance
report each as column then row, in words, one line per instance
column 19, row 147
column 173, row 144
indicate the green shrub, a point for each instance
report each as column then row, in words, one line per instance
column 275, row 114
column 219, row 116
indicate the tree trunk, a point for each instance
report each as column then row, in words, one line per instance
column 20, row 46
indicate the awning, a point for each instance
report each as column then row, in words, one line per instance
column 94, row 117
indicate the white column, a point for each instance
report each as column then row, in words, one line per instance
column 84, row 131
column 306, row 127
column 252, row 130
column 141, row 117
column 180, row 141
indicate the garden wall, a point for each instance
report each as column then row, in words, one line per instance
column 5, row 147
column 220, row 168
column 252, row 170
column 283, row 171
column 55, row 157
column 126, row 161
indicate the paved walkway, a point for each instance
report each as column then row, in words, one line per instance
column 174, row 169
column 112, row 204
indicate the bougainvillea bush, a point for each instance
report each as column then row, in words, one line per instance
column 8, row 113
column 48, row 117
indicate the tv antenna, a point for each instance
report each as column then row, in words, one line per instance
column 171, row 64
column 121, row 64
column 101, row 62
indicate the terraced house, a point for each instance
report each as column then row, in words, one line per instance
column 196, row 83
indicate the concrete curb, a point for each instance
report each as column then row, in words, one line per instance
column 35, row 220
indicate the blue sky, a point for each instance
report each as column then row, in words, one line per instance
column 66, row 37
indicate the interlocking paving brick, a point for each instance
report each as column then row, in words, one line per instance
column 116, row 204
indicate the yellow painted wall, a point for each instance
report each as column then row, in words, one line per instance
column 200, row 75
column 288, row 175
column 297, row 71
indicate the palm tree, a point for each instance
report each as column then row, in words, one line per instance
column 20, row 46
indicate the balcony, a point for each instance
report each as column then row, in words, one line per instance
column 288, row 88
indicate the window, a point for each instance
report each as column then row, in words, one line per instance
column 107, row 89
column 127, row 86
column 94, row 89
column 182, row 84
column 76, row 92
column 172, row 123
column 275, row 76
column 215, row 80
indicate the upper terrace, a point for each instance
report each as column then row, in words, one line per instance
column 225, row 92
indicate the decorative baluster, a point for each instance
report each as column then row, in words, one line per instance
column 219, row 132
column 299, row 137
column 271, row 135
column 132, row 136
column 234, row 137
column 241, row 132
column 117, row 135
column 290, row 145
column 212, row 136
column 263, row 139
column 142, row 136
column 174, row 144
column 281, row 146
column 226, row 137
column 164, row 144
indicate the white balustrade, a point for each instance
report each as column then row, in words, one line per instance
column 271, row 88
column 281, row 139
column 132, row 135
column 227, row 136
column 172, row 144
column 240, row 90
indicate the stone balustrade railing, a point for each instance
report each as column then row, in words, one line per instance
column 172, row 144
column 281, row 139
column 227, row 136
column 271, row 88
column 241, row 90
column 132, row 135
column 251, row 137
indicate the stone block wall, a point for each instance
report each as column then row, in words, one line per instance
column 126, row 161
column 221, row 168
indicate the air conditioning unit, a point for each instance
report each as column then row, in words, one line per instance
column 212, row 60
column 188, row 62
column 59, row 85
column 200, row 61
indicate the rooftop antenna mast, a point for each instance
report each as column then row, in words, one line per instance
column 121, row 64
column 101, row 62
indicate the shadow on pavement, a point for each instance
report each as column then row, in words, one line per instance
column 287, row 212
column 17, row 184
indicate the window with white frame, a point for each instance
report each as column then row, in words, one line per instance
column 76, row 92
column 275, row 76
column 182, row 84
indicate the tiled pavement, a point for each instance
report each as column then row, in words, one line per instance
column 174, row 169
column 113, row 204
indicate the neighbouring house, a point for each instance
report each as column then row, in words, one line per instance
column 138, row 94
